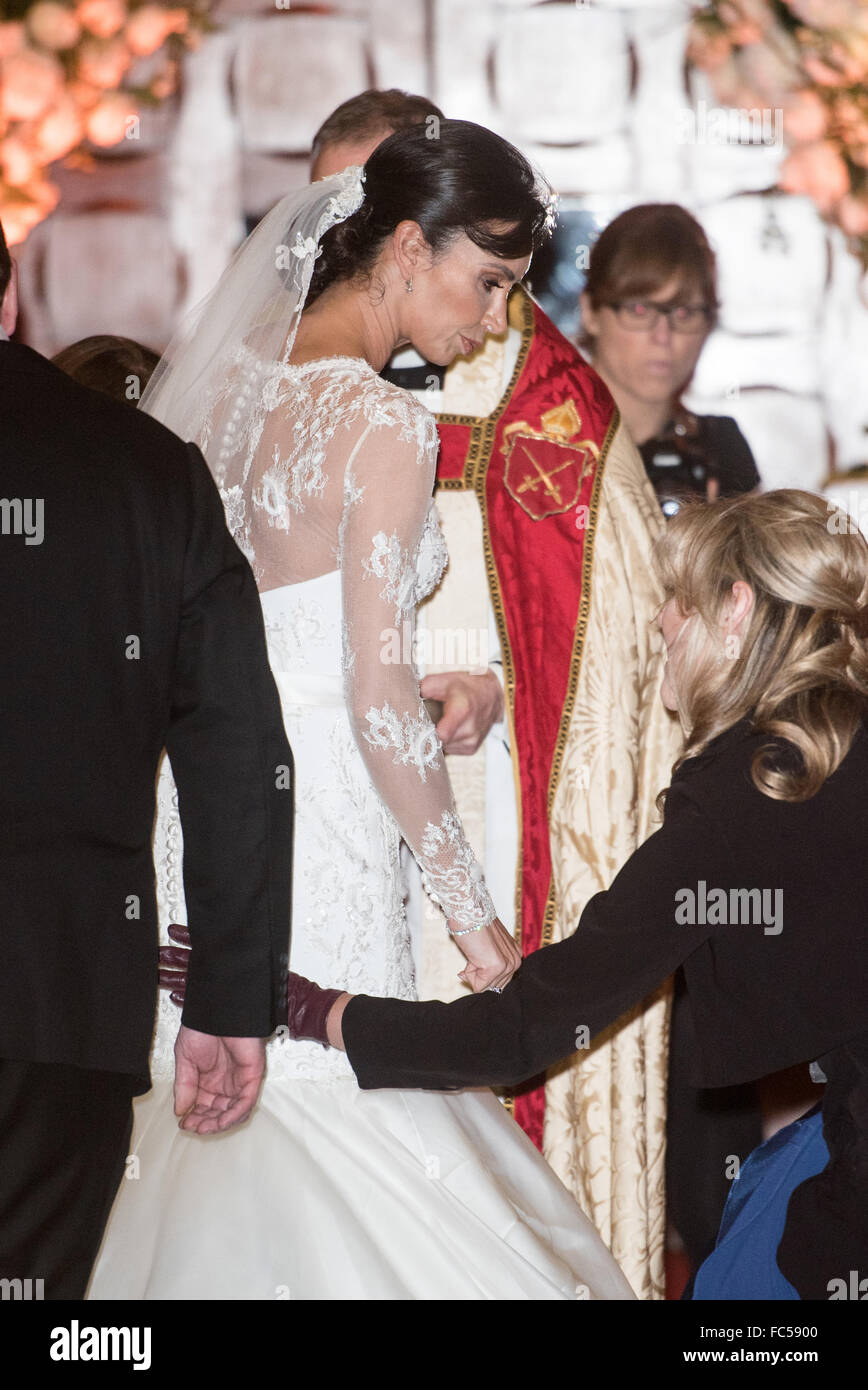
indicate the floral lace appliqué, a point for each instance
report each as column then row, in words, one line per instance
column 413, row 741
column 432, row 557
column 391, row 562
column 451, row 874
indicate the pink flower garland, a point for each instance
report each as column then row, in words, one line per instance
column 808, row 59
column 62, row 70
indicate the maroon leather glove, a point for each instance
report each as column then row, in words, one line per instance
column 309, row 1007
column 174, row 963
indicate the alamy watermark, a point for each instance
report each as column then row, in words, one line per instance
column 853, row 1287
column 22, row 1290
column 849, row 520
column 23, row 516
column 730, row 125
column 738, row 907
column 77, row 1343
column 464, row 648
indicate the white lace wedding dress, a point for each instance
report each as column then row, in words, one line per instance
column 328, row 1191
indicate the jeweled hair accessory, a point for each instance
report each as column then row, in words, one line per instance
column 551, row 216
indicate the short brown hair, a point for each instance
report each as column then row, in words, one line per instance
column 371, row 113
column 105, row 363
column 645, row 247
column 5, row 265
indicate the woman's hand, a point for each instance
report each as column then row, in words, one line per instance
column 174, row 963
column 492, row 956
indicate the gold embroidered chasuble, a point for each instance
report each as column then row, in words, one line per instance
column 601, row 1121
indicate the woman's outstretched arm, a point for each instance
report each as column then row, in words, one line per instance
column 627, row 942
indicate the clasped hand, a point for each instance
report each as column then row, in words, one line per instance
column 491, row 954
column 471, row 706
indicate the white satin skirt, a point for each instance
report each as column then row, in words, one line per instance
column 329, row 1192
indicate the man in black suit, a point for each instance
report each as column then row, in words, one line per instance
column 129, row 622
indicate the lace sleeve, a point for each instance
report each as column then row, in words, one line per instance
column 387, row 498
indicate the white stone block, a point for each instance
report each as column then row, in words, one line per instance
column 772, row 262
column 659, row 38
column 600, row 168
column 110, row 272
column 731, row 361
column 291, row 72
column 561, row 73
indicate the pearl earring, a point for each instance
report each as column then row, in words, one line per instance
column 410, row 285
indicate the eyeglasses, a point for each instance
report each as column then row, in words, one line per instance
column 643, row 315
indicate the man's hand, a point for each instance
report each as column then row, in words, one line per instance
column 217, row 1080
column 471, row 705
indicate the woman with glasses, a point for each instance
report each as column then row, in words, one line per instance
column 650, row 302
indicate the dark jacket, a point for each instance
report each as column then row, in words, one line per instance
column 791, row 987
column 131, row 625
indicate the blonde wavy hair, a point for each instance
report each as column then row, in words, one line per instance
column 799, row 667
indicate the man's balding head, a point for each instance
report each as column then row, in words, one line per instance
column 355, row 128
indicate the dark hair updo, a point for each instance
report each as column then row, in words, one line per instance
column 450, row 177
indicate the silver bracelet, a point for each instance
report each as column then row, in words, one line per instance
column 467, row 930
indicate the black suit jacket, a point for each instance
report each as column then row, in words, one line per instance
column 131, row 625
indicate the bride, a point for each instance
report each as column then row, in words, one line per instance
column 326, row 472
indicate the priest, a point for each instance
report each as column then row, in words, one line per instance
column 550, row 523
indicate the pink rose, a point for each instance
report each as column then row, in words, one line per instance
column 708, row 50
column 83, row 94
column 758, row 12
column 726, row 81
column 822, row 73
column 770, row 72
column 805, row 117
column 53, row 25
column 851, row 58
column 747, row 20
column 102, row 17
column 819, row 172
column 59, row 131
column 163, row 85
column 829, row 14
column 107, row 123
column 103, row 63
column 29, row 82
column 17, row 161
column 20, row 217
column 852, row 215
column 149, row 27
column 11, row 38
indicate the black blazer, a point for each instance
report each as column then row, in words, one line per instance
column 791, row 987
column 761, row 998
column 132, row 624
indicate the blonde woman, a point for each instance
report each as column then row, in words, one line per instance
column 756, row 883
